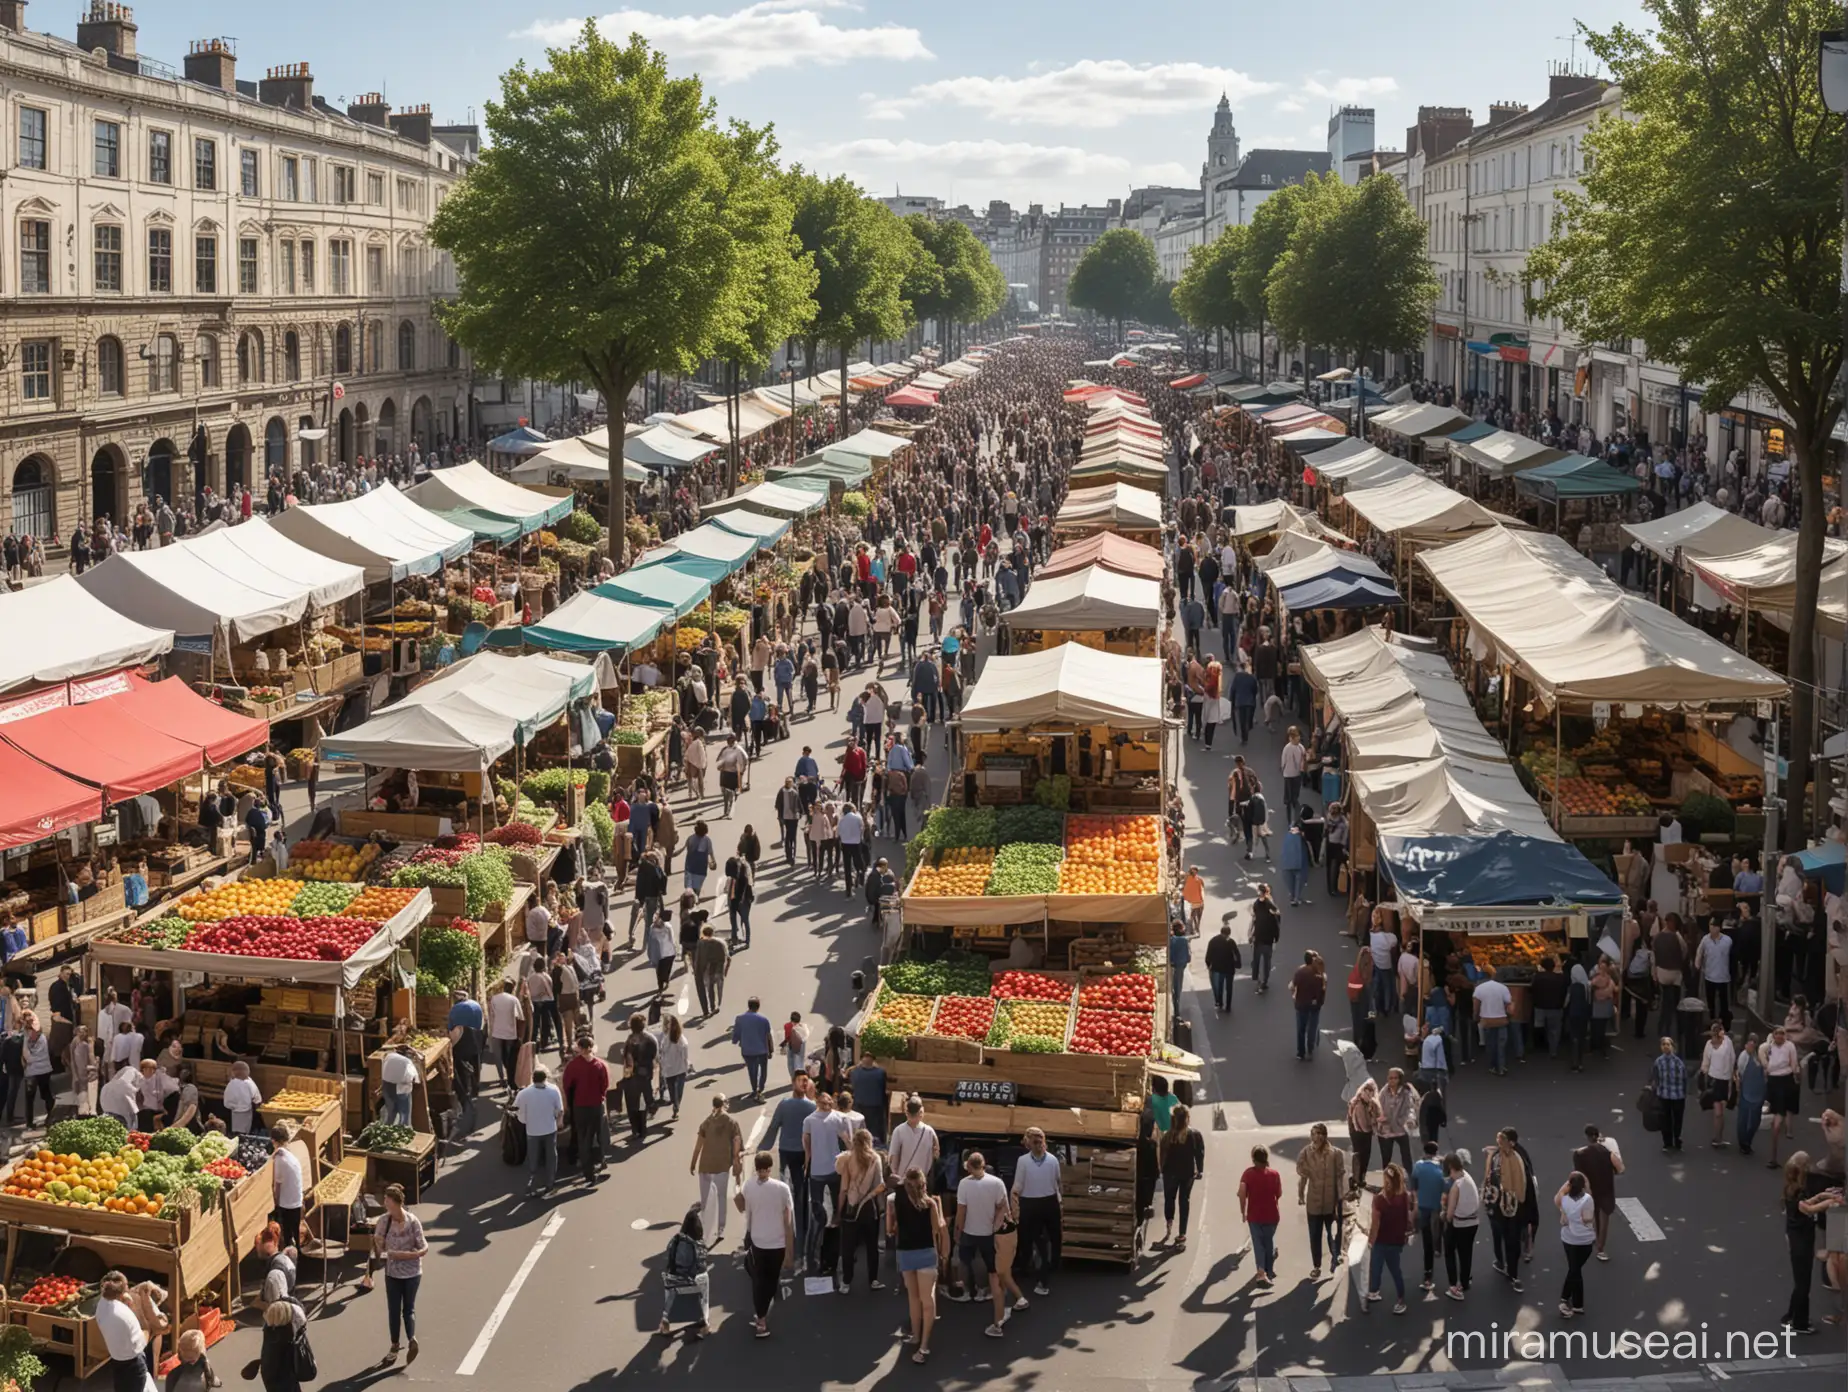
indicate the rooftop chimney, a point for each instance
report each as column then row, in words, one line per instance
column 13, row 15
column 370, row 110
column 413, row 123
column 212, row 63
column 107, row 26
column 287, row 84
column 1501, row 112
column 1564, row 84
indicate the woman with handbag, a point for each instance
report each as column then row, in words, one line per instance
column 1504, row 1188
column 862, row 1189
column 685, row 1279
column 399, row 1240
column 1719, row 1060
column 915, row 1229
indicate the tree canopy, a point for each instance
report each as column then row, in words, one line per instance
column 1265, row 244
column 1115, row 275
column 862, row 255
column 610, row 227
column 1710, row 226
column 1207, row 294
column 955, row 280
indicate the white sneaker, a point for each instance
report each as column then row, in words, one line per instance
column 1021, row 1303
column 1042, row 1289
column 994, row 1331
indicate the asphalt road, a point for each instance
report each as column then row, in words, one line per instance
column 563, row 1292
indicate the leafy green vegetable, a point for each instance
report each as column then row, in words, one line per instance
column 430, row 984
column 622, row 734
column 449, row 955
column 598, row 814
column 1054, row 792
column 597, row 787
column 385, row 1135
column 954, row 974
column 1001, row 1029
column 174, row 1140
column 1036, row 1044
column 489, row 877
column 428, row 876
column 580, row 526
column 1029, row 823
column 882, row 1039
column 90, row 1137
column 550, row 785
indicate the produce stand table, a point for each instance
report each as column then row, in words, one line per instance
column 433, row 1075
column 414, row 1168
column 322, row 1125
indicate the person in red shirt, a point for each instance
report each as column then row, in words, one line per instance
column 619, row 813
column 586, row 1082
column 853, row 773
column 1260, row 1189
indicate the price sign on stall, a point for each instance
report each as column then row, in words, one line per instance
column 999, row 1091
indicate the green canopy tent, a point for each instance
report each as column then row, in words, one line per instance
column 766, row 531
column 1576, row 476
column 846, row 469
column 487, row 526
column 663, row 586
column 709, row 542
column 593, row 622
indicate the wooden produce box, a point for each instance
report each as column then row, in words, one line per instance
column 47, row 923
column 247, row 1208
column 318, row 1125
column 448, row 901
column 97, row 1222
column 1098, row 1218
column 348, row 669
column 404, row 826
column 109, row 899
column 75, row 1337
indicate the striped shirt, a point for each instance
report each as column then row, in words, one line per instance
column 1670, row 1075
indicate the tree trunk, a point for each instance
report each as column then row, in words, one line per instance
column 616, row 393
column 1801, row 668
column 1263, row 375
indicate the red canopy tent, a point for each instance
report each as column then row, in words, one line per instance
column 1110, row 551
column 36, row 802
column 1193, row 379
column 174, row 708
column 912, row 396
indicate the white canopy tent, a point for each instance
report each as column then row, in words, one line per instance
column 1504, row 453
column 777, row 499
column 1763, row 580
column 1449, row 796
column 473, row 487
column 1118, row 505
column 59, row 631
column 1542, row 607
column 1699, row 530
column 1420, row 509
column 754, row 416
column 577, row 458
column 1067, row 685
column 708, row 542
column 1089, row 599
column 464, row 720
column 383, row 532
column 240, row 581
column 871, row 444
column 1416, row 419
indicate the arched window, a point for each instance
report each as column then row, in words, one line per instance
column 343, row 349
column 291, row 357
column 205, row 349
column 250, row 356
column 109, row 376
column 34, row 501
column 407, row 347
column 164, row 364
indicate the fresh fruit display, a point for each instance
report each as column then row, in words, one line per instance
column 1544, row 762
column 70, row 1179
column 687, row 638
column 953, row 974
column 962, row 870
column 238, row 899
column 1038, row 1017
column 385, row 1135
column 88, row 1138
column 321, row 897
column 1119, row 1033
column 1036, row 1044
column 290, row 1100
column 1584, row 797
column 729, row 618
column 907, row 1014
column 264, row 695
column 380, row 903
column 1054, row 792
column 1025, row 867
column 51, row 1291
column 963, row 1017
column 139, row 1139
column 163, row 934
column 1125, row 991
column 294, row 939
column 516, row 834
column 330, row 860
column 1030, row 986
column 1029, row 823
column 883, row 1039
column 253, row 1152
column 960, row 826
column 228, row 1170
column 1111, row 855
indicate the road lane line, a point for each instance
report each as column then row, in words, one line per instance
column 492, row 1327
column 1642, row 1225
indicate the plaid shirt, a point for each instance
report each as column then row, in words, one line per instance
column 1671, row 1077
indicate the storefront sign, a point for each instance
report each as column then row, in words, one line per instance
column 998, row 1091
column 51, row 699
column 199, row 644
column 1494, row 927
column 95, row 688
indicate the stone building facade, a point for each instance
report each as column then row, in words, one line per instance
column 196, row 269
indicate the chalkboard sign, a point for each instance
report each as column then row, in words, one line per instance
column 996, row 1090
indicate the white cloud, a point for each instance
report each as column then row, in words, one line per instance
column 1347, row 90
column 1288, row 106
column 1090, row 94
column 766, row 35
column 1169, row 174
column 874, row 160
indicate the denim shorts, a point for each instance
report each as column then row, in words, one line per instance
column 917, row 1259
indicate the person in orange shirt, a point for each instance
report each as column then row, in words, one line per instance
column 1193, row 891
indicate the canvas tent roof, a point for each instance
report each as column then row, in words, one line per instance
column 1311, row 439
column 1699, row 530
column 1448, row 797
column 243, row 581
column 59, row 630
column 663, row 586
column 37, row 801
column 912, row 396
column 710, row 542
column 1503, row 452
column 1765, row 579
column 754, row 416
column 871, row 444
column 1475, row 430
column 1397, row 700
column 1089, row 599
column 465, row 719
column 746, row 522
column 591, row 622
column 383, row 532
column 1502, row 870
column 1068, row 685
column 100, row 742
column 1364, row 468
column 471, row 486
column 1420, row 419
column 784, row 499
column 1117, row 505
column 579, row 458
column 850, row 470
column 1255, row 519
column 1576, row 476
column 1106, row 549
column 1589, row 640
column 521, row 440
column 1338, row 589
column 1418, row 508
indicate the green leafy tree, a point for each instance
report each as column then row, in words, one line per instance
column 1158, row 311
column 1710, row 226
column 1356, row 276
column 610, row 228
column 862, row 255
column 954, row 281
column 1114, row 276
column 1268, row 239
column 1207, row 295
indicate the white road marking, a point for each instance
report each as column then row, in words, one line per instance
column 1642, row 1225
column 758, row 1127
column 492, row 1327
column 680, row 1002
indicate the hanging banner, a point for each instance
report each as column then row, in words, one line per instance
column 24, row 707
column 95, row 688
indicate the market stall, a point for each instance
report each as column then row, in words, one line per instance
column 383, row 532
column 1108, row 550
column 1122, row 508
column 765, row 530
column 665, row 586
column 1093, row 606
column 468, row 495
column 58, row 632
column 728, row 551
column 792, row 499
column 579, row 459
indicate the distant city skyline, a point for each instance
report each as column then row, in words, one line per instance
column 1030, row 101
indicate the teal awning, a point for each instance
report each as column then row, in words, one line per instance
column 843, row 469
column 1576, row 476
column 593, row 622
column 766, row 531
column 660, row 586
column 486, row 526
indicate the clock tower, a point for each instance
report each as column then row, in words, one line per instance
column 1221, row 152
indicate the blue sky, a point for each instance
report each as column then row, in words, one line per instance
column 1017, row 99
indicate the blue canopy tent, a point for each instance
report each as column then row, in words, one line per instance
column 664, row 586
column 522, row 440
column 1475, row 430
column 709, row 542
column 766, row 531
column 1827, row 862
column 704, row 567
column 1505, row 871
column 1339, row 589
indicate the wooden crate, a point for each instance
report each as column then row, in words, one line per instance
column 47, row 923
column 247, row 1210
column 75, row 1337
column 98, row 1222
column 109, row 899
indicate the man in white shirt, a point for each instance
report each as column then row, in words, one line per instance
column 540, row 1106
column 153, row 1088
column 504, row 1016
column 1383, row 943
column 397, row 1080
column 1713, row 959
column 286, row 1187
column 981, row 1208
column 1783, row 1089
column 123, row 1336
column 914, row 1143
column 770, row 1218
column 127, row 1045
column 852, row 832
column 538, row 926
column 1036, row 1207
column 120, row 1097
column 872, row 720
column 242, row 1098
column 1492, row 1001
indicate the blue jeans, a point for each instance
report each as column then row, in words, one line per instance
column 401, row 1304
column 1264, row 1247
column 1297, row 881
column 541, row 1149
column 1547, row 1024
column 1496, row 1038
column 1384, row 1258
column 398, row 1108
column 757, row 1070
column 1180, row 984
column 1222, row 989
column 696, row 880
column 1261, row 962
column 1385, row 990
column 740, row 915
column 1308, row 1029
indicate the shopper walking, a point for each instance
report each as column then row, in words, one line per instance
column 1035, row 1199
column 1668, row 1075
column 1260, row 1190
column 1600, row 1162
column 862, row 1202
column 398, row 1239
column 718, row 1152
column 1321, row 1190
column 770, row 1223
column 586, row 1082
column 1462, row 1216
column 1801, row 1217
column 1783, row 1092
column 1391, row 1223
column 1223, row 960
column 1427, row 1186
column 673, row 1061
column 540, row 1109
column 1183, row 1161
column 1749, row 1087
column 1504, row 1186
column 1578, row 1232
column 751, row 1033
column 1363, row 1119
